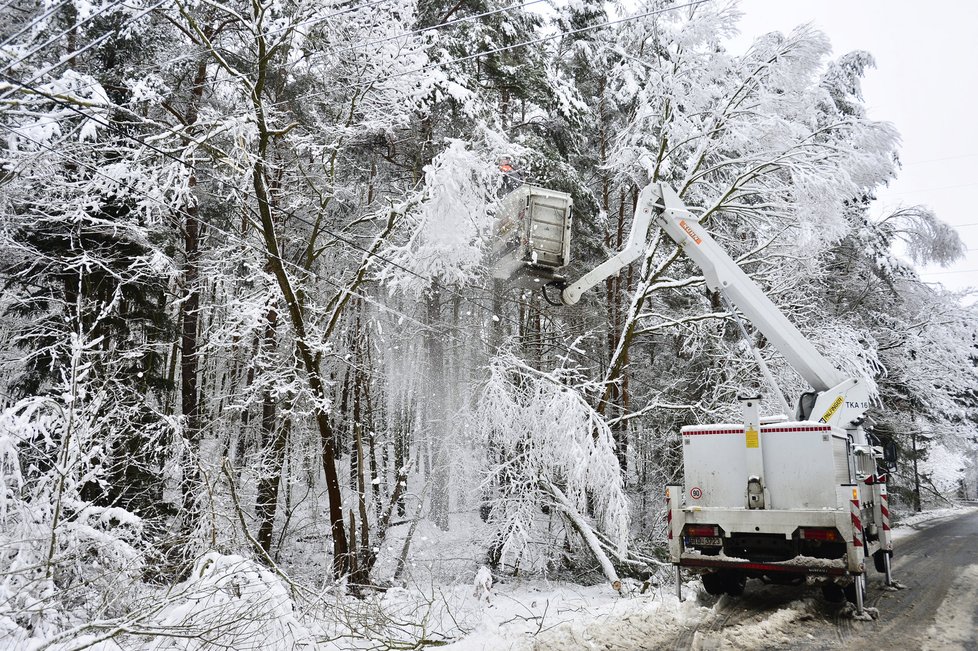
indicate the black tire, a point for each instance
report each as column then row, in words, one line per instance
column 850, row 591
column 833, row 593
column 878, row 559
column 735, row 584
column 714, row 583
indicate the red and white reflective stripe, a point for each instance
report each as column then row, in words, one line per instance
column 714, row 431
column 857, row 524
column 885, row 510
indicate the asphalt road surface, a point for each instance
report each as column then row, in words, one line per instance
column 936, row 611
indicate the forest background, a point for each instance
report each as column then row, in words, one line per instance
column 255, row 369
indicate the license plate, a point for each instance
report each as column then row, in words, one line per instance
column 704, row 541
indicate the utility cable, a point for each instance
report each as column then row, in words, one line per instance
column 506, row 48
column 90, row 45
column 424, row 30
column 33, row 23
column 95, row 14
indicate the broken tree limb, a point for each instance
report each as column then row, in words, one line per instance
column 586, row 532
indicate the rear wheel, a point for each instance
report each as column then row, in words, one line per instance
column 833, row 593
column 714, row 583
column 878, row 561
column 735, row 584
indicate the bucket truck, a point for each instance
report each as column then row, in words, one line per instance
column 784, row 500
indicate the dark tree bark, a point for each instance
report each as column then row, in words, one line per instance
column 274, row 438
column 190, row 310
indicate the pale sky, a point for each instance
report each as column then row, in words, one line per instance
column 925, row 83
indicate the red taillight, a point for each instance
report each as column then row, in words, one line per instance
column 702, row 530
column 830, row 535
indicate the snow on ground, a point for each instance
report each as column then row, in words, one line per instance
column 549, row 616
column 544, row 617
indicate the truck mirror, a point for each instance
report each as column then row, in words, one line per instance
column 890, row 455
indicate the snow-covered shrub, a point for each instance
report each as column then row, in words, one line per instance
column 62, row 557
column 540, row 430
column 227, row 602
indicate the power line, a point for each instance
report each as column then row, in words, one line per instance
column 507, row 48
column 106, row 7
column 953, row 271
column 942, row 187
column 424, row 30
column 315, row 21
column 939, row 160
column 33, row 23
column 92, row 44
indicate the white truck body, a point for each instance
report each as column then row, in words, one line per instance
column 820, row 518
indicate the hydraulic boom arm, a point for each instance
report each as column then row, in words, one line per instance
column 841, row 401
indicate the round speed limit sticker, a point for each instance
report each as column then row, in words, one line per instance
column 696, row 492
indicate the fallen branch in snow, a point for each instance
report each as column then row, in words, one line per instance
column 633, row 563
column 587, row 533
column 405, row 550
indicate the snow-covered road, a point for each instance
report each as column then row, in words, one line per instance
column 936, row 560
column 937, row 610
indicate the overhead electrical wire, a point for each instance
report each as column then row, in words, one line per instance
column 33, row 23
column 38, row 75
column 506, row 48
column 106, row 7
column 425, row 30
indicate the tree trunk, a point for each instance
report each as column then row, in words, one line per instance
column 274, row 437
column 310, row 363
column 437, row 413
column 190, row 306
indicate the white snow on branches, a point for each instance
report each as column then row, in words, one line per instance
column 541, row 429
column 445, row 242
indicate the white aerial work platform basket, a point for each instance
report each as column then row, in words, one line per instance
column 533, row 228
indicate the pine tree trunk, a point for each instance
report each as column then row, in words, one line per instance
column 437, row 413
column 190, row 306
column 274, row 438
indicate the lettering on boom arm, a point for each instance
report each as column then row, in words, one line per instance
column 834, row 407
column 689, row 231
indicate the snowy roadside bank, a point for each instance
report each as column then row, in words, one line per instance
column 910, row 524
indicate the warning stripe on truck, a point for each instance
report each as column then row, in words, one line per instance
column 764, row 430
column 687, row 561
column 857, row 523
